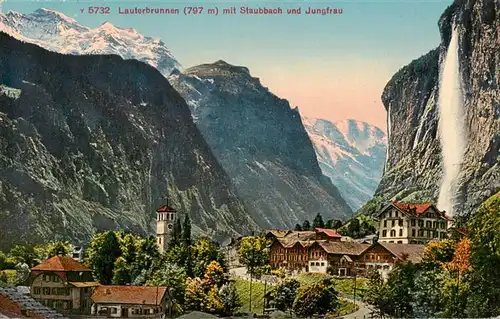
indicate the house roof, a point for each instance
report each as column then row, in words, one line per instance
column 279, row 233
column 416, row 208
column 344, row 247
column 295, row 237
column 165, row 209
column 329, row 232
column 134, row 295
column 413, row 252
column 84, row 284
column 60, row 263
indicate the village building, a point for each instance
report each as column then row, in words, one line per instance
column 382, row 256
column 407, row 223
column 128, row 301
column 319, row 251
column 165, row 219
column 62, row 283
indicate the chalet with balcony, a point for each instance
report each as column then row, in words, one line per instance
column 63, row 284
column 382, row 256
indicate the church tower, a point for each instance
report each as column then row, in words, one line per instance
column 165, row 219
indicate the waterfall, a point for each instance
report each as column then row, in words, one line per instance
column 451, row 124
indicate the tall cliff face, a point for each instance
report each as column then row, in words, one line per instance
column 351, row 153
column 95, row 142
column 261, row 142
column 413, row 169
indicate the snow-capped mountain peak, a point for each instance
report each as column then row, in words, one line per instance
column 351, row 153
column 57, row 32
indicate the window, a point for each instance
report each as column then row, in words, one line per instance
column 113, row 310
column 400, row 233
column 443, row 226
column 420, row 233
column 385, row 223
column 384, row 233
column 413, row 232
column 393, row 223
column 393, row 233
column 54, row 291
column 428, row 224
column 400, row 241
column 413, row 222
column 46, row 290
column 390, row 214
column 395, row 214
column 434, row 225
column 36, row 290
column 400, row 222
column 420, row 223
column 322, row 263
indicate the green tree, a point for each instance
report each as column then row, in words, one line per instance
column 3, row 279
column 24, row 254
column 438, row 253
column 186, row 231
column 121, row 272
column 174, row 278
column 204, row 251
column 353, row 228
column 22, row 274
column 285, row 294
column 318, row 221
column 176, row 237
column 298, row 227
column 6, row 262
column 319, row 298
column 103, row 251
column 230, row 298
column 376, row 293
column 306, row 225
column 400, row 285
column 253, row 253
column 428, row 295
column 337, row 224
column 484, row 228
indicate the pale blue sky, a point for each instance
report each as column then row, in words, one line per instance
column 333, row 66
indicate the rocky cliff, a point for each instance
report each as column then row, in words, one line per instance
column 351, row 153
column 413, row 170
column 261, row 143
column 95, row 142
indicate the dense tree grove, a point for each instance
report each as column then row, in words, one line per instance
column 457, row 278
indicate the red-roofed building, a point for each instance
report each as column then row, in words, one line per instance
column 412, row 223
column 327, row 234
column 62, row 283
column 128, row 301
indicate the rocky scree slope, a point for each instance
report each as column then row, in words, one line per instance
column 261, row 143
column 413, row 170
column 89, row 143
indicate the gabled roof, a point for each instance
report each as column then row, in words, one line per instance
column 413, row 209
column 133, row 295
column 412, row 252
column 344, row 247
column 165, row 209
column 329, row 232
column 61, row 263
column 278, row 233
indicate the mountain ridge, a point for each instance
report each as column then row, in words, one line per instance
column 351, row 153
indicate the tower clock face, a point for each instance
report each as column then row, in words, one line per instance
column 170, row 226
